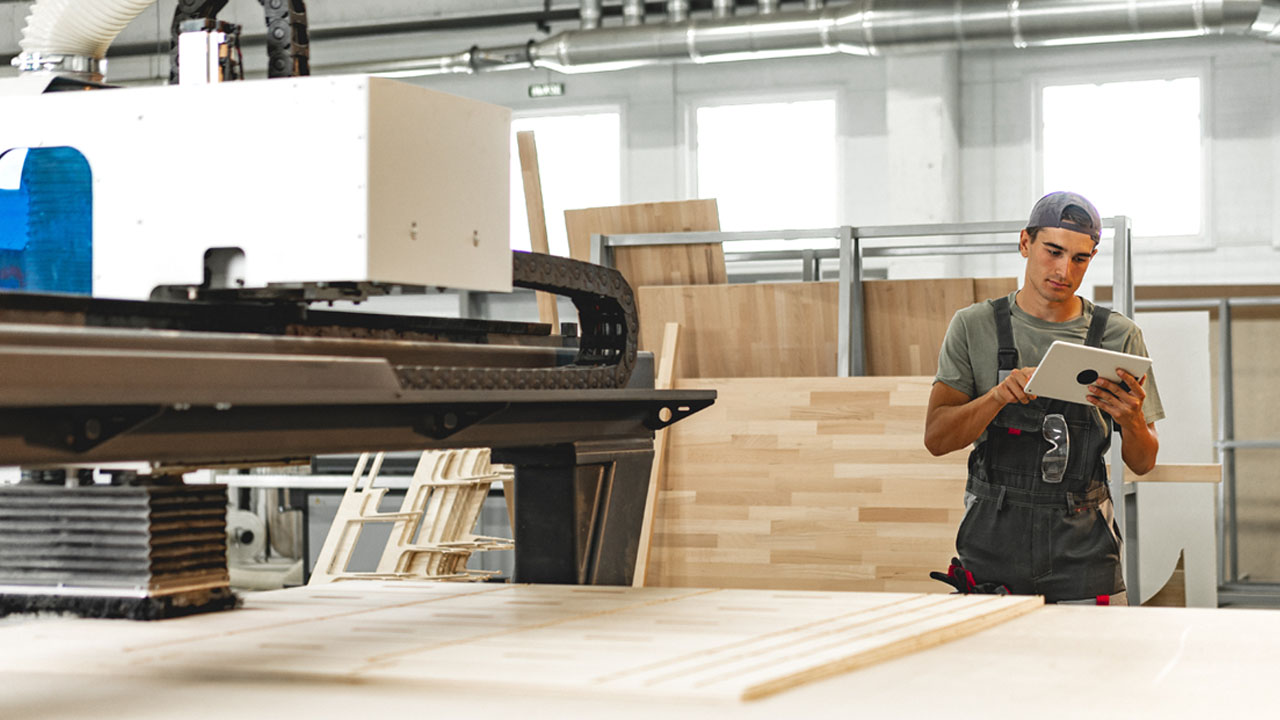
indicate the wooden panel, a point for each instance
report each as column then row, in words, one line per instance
column 697, row 264
column 758, row 330
column 906, row 321
column 807, row 483
column 793, row 325
column 987, row 288
column 666, row 375
column 727, row 644
column 527, row 147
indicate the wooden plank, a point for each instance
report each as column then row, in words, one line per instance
column 987, row 288
column 666, row 372
column 527, row 147
column 697, row 264
column 726, row 644
column 1178, row 472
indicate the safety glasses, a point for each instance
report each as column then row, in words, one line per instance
column 1053, row 466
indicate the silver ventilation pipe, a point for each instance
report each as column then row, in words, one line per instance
column 677, row 11
column 814, row 4
column 632, row 13
column 70, row 37
column 877, row 27
column 589, row 14
column 766, row 7
column 723, row 8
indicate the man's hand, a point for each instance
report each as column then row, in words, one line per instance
column 1140, row 444
column 1121, row 403
column 1014, row 388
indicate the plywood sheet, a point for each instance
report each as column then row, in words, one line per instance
column 789, row 329
column 757, row 330
column 696, row 264
column 906, row 321
column 807, row 483
column 728, row 644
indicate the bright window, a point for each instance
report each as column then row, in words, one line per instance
column 770, row 166
column 580, row 163
column 1133, row 148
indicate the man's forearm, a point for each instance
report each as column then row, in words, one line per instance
column 951, row 427
column 1138, row 446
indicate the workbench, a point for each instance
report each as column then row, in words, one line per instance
column 1050, row 661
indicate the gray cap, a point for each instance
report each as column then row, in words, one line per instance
column 1048, row 213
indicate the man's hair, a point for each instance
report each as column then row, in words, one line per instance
column 1073, row 214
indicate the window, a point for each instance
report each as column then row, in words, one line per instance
column 580, row 164
column 1132, row 147
column 770, row 166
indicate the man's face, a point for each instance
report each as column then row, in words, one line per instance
column 1056, row 261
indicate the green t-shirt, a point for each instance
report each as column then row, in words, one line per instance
column 968, row 358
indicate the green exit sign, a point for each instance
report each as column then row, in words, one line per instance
column 541, row 90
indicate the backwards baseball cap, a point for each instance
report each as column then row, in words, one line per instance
column 1048, row 213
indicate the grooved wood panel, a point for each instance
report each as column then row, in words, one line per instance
column 727, row 644
column 789, row 329
column 807, row 484
column 697, row 264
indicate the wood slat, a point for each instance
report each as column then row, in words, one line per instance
column 527, row 147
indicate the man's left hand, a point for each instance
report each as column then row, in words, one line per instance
column 1124, row 405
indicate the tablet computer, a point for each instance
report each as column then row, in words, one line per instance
column 1067, row 370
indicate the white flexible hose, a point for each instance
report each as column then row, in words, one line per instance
column 78, row 27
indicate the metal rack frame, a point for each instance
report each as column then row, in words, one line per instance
column 1230, row 586
column 895, row 241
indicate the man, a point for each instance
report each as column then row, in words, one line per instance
column 1031, row 527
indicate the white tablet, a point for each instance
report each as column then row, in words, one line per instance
column 1067, row 370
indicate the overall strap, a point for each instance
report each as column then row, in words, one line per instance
column 1007, row 355
column 1098, row 326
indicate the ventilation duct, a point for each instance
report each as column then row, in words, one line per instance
column 70, row 37
column 866, row 27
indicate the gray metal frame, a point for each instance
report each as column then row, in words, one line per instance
column 851, row 352
column 1230, row 587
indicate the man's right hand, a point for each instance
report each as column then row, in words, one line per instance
column 1014, row 388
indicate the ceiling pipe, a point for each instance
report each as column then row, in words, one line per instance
column 766, row 7
column 677, row 11
column 723, row 8
column 589, row 14
column 814, row 4
column 632, row 13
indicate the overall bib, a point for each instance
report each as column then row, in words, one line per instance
column 1038, row 538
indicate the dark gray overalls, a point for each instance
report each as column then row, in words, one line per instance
column 1036, row 538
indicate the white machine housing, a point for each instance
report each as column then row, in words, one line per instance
column 318, row 179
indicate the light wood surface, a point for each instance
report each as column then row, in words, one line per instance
column 906, row 320
column 792, row 328
column 807, row 483
column 1178, row 473
column 696, row 264
column 1140, row 662
column 794, row 325
column 527, row 147
column 728, row 644
column 666, row 373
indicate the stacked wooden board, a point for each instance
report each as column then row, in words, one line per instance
column 807, row 483
column 794, row 325
column 654, row 642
